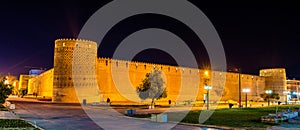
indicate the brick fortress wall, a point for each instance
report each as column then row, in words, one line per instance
column 93, row 78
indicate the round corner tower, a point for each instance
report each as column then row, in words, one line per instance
column 74, row 65
column 275, row 80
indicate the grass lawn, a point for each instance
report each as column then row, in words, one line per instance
column 238, row 117
column 15, row 123
column 247, row 117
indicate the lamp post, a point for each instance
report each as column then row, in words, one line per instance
column 207, row 88
column 269, row 92
column 246, row 90
column 239, row 71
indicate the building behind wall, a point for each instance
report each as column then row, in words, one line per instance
column 35, row 72
column 293, row 87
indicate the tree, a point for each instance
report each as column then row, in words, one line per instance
column 152, row 87
column 5, row 90
column 270, row 96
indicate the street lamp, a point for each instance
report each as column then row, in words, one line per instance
column 207, row 88
column 269, row 92
column 239, row 71
column 286, row 93
column 246, row 90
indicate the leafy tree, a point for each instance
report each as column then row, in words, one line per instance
column 152, row 87
column 271, row 96
column 22, row 92
column 5, row 90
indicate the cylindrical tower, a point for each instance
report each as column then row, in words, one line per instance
column 74, row 65
column 275, row 80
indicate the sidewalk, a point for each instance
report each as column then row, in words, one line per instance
column 7, row 115
column 108, row 118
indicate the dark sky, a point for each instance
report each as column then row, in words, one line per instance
column 255, row 35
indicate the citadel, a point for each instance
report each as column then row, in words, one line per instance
column 78, row 74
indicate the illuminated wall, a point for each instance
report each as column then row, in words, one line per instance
column 64, row 85
column 293, row 85
column 32, row 86
column 138, row 70
column 23, row 81
column 256, row 85
column 76, row 66
column 42, row 85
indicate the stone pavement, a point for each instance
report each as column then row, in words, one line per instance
column 59, row 116
column 108, row 118
column 7, row 115
column 54, row 116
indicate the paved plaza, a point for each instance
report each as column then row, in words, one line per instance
column 72, row 117
column 63, row 116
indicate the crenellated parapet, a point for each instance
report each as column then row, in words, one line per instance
column 74, row 40
column 107, row 63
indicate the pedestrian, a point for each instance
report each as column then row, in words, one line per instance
column 108, row 101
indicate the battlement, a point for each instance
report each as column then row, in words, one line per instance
column 104, row 61
column 71, row 43
column 73, row 39
column 107, row 63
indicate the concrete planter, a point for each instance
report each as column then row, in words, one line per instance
column 130, row 112
column 12, row 106
column 159, row 118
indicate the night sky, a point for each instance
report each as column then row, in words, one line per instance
column 255, row 35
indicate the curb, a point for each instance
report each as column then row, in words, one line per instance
column 222, row 127
column 212, row 126
column 196, row 125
